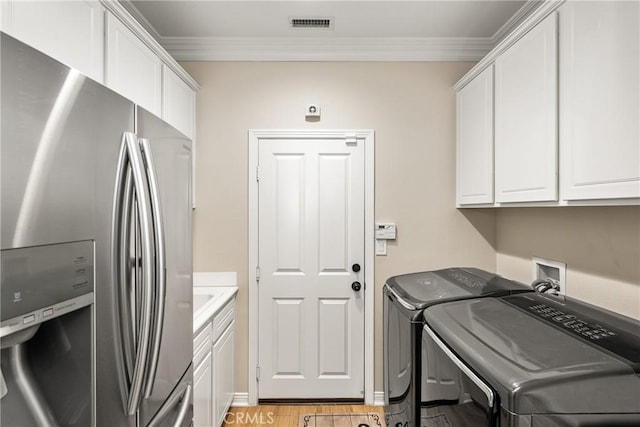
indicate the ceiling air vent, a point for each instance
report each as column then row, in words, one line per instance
column 322, row 23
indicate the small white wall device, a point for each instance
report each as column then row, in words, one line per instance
column 384, row 231
column 312, row 110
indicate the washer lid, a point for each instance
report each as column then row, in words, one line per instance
column 419, row 290
column 537, row 366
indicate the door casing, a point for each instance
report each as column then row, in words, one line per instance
column 367, row 138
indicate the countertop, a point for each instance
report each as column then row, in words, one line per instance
column 209, row 299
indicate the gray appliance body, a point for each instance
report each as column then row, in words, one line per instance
column 535, row 359
column 76, row 167
column 405, row 298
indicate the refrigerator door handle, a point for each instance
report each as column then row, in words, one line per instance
column 160, row 272
column 144, row 321
column 126, row 273
column 124, row 265
column 171, row 401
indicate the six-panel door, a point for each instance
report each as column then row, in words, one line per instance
column 311, row 232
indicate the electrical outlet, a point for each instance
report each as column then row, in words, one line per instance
column 554, row 271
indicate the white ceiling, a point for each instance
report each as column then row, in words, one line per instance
column 362, row 30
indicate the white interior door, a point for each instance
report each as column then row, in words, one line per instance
column 311, row 233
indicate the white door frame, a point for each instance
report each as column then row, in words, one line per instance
column 367, row 137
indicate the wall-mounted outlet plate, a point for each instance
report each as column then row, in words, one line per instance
column 555, row 271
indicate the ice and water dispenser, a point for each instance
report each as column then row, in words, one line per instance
column 46, row 376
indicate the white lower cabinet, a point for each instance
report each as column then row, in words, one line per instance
column 213, row 374
column 203, row 377
column 202, row 397
column 223, row 389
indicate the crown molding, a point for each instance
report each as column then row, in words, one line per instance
column 319, row 48
column 517, row 19
column 119, row 11
column 326, row 49
column 142, row 20
column 546, row 8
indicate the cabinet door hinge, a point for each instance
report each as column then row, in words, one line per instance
column 258, row 173
column 257, row 274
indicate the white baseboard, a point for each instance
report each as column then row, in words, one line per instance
column 242, row 399
column 378, row 398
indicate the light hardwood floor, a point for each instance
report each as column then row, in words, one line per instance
column 289, row 415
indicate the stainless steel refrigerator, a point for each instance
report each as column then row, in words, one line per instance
column 81, row 163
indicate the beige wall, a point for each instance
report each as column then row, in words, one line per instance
column 600, row 245
column 411, row 108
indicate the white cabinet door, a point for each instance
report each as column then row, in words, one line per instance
column 526, row 117
column 72, row 32
column 178, row 102
column 223, row 378
column 475, row 140
column 203, row 392
column 600, row 100
column 133, row 69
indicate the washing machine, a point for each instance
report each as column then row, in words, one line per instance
column 534, row 360
column 405, row 298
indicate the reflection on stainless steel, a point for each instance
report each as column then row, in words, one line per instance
column 42, row 161
column 3, row 386
column 29, row 389
column 180, row 398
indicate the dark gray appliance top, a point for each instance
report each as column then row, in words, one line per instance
column 420, row 290
column 544, row 354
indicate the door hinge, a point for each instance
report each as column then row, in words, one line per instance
column 257, row 372
column 257, row 274
column 258, row 173
column 351, row 139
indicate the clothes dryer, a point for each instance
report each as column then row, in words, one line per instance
column 535, row 360
column 405, row 298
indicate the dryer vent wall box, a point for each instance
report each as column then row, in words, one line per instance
column 385, row 231
column 554, row 271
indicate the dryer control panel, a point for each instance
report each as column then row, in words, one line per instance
column 601, row 328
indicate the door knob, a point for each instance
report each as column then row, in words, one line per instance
column 355, row 267
column 356, row 286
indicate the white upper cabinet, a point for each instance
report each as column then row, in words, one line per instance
column 475, row 140
column 72, row 32
column 178, row 103
column 133, row 69
column 600, row 100
column 526, row 117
